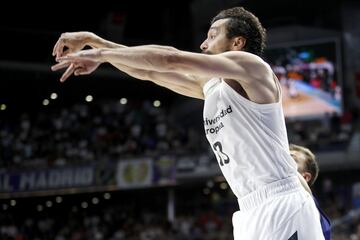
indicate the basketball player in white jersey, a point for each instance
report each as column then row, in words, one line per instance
column 243, row 116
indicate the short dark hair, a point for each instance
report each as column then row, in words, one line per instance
column 311, row 164
column 244, row 23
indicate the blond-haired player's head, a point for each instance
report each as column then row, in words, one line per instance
column 306, row 161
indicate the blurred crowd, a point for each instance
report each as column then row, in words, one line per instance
column 114, row 219
column 113, row 227
column 109, row 130
column 85, row 133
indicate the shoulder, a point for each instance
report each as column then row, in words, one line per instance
column 243, row 56
column 253, row 64
column 257, row 80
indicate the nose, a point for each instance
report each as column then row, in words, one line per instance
column 204, row 45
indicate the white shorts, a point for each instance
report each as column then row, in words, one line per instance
column 282, row 210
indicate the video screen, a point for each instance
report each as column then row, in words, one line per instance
column 310, row 77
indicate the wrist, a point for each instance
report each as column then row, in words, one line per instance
column 93, row 40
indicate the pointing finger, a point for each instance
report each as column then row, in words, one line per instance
column 60, row 65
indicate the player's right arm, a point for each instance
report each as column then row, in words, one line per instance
column 180, row 83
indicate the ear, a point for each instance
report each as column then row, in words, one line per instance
column 239, row 43
column 307, row 176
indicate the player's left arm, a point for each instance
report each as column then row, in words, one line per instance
column 242, row 66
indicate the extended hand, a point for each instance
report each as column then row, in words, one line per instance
column 74, row 42
column 76, row 67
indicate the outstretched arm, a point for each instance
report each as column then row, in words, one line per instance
column 229, row 65
column 254, row 75
column 249, row 70
column 75, row 41
column 180, row 83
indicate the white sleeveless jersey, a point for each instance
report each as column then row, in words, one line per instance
column 249, row 139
